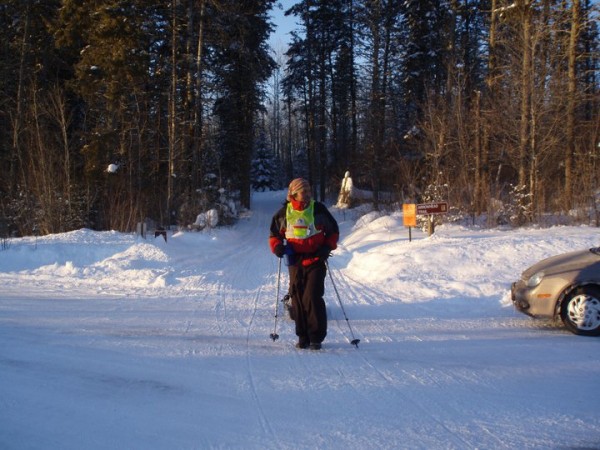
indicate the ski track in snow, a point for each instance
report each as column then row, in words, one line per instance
column 147, row 344
column 358, row 292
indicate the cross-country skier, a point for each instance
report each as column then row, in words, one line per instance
column 307, row 232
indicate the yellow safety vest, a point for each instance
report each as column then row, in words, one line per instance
column 300, row 224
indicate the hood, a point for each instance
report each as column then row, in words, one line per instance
column 565, row 262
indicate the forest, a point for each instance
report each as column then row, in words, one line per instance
column 115, row 112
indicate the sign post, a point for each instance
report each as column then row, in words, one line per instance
column 410, row 217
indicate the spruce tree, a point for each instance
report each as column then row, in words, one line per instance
column 266, row 171
column 241, row 64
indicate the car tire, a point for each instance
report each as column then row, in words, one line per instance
column 580, row 311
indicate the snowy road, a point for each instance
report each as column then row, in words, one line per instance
column 109, row 341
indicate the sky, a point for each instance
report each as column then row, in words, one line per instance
column 110, row 340
column 284, row 25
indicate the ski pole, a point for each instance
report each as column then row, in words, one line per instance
column 354, row 341
column 274, row 334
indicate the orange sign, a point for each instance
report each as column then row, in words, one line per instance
column 410, row 214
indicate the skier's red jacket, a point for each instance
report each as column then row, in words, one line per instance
column 324, row 223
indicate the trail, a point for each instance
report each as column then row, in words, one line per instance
column 109, row 340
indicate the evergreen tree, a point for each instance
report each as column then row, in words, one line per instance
column 427, row 22
column 344, row 120
column 379, row 19
column 115, row 47
column 321, row 82
column 266, row 172
column 241, row 64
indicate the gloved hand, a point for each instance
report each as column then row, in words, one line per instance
column 323, row 252
column 279, row 250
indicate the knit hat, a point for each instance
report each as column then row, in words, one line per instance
column 297, row 185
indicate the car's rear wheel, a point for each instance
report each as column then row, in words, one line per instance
column 580, row 311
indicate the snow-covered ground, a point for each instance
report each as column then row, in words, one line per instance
column 108, row 340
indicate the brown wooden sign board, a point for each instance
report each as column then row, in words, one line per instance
column 432, row 208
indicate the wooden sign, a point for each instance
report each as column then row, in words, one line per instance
column 432, row 208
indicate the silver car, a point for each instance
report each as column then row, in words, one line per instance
column 566, row 285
